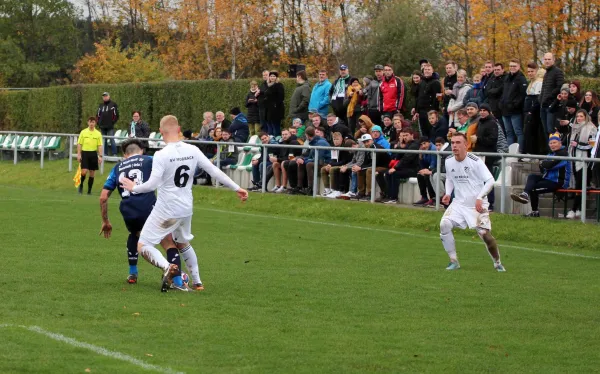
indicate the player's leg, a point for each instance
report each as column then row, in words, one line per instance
column 155, row 229
column 173, row 257
column 492, row 247
column 447, row 237
column 132, row 257
column 182, row 236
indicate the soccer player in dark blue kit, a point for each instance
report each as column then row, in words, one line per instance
column 134, row 207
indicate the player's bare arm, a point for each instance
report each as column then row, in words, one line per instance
column 106, row 226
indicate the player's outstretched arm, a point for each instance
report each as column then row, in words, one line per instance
column 205, row 164
column 106, row 228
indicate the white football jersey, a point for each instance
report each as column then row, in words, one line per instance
column 173, row 170
column 468, row 177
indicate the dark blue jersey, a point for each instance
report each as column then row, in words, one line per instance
column 138, row 169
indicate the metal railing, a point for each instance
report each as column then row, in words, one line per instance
column 315, row 187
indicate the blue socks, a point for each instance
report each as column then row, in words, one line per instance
column 133, row 269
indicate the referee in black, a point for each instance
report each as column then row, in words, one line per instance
column 89, row 153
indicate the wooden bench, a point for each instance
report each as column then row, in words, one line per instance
column 563, row 194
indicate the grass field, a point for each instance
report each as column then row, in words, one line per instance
column 293, row 285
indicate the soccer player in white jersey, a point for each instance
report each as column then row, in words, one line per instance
column 172, row 172
column 470, row 180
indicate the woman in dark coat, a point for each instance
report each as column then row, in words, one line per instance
column 274, row 106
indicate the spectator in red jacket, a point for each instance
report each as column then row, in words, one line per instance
column 391, row 92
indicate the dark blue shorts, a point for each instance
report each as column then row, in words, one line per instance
column 135, row 225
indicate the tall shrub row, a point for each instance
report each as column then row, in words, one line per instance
column 66, row 108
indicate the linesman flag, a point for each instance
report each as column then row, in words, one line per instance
column 77, row 177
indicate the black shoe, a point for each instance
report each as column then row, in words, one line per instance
column 309, row 192
column 423, row 201
column 89, row 193
column 381, row 199
column 254, row 189
column 534, row 213
column 522, row 198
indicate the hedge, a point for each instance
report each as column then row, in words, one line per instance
column 66, row 108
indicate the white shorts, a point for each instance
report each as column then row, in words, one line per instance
column 463, row 216
column 156, row 228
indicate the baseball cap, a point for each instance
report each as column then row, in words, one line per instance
column 378, row 67
column 343, row 67
column 105, row 94
column 376, row 128
column 365, row 137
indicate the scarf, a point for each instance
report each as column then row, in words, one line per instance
column 353, row 100
column 457, row 86
column 339, row 88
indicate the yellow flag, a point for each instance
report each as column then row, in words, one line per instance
column 77, row 177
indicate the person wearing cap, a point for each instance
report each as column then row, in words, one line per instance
column 108, row 115
column 551, row 84
column 319, row 97
column 556, row 174
column 300, row 97
column 427, row 165
column 239, row 126
column 427, row 99
column 391, row 92
column 486, row 140
column 274, row 104
column 338, row 92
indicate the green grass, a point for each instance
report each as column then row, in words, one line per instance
column 287, row 295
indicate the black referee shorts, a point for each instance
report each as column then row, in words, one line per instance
column 89, row 160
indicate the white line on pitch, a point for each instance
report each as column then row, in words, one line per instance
column 391, row 232
column 95, row 349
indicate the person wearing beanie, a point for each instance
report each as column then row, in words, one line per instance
column 238, row 129
column 556, row 174
column 486, row 140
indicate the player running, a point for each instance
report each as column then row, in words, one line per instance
column 135, row 208
column 470, row 180
column 172, row 170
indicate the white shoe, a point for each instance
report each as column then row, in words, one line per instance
column 571, row 214
column 274, row 189
column 326, row 192
column 280, row 189
column 578, row 213
column 348, row 195
column 334, row 195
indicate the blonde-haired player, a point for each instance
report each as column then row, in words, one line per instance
column 173, row 168
column 470, row 180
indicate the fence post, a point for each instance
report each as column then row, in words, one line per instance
column 42, row 153
column 16, row 144
column 373, row 171
column 584, row 192
column 502, row 183
column 264, row 169
column 436, row 180
column 315, row 186
column 104, row 156
column 218, row 164
column 69, row 154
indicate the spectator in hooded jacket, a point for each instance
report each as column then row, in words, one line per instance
column 378, row 138
column 338, row 93
column 402, row 166
column 556, row 174
column 493, row 91
column 512, row 103
column 239, row 127
column 319, row 98
column 300, row 97
column 281, row 155
column 475, row 93
column 364, row 126
column 591, row 104
column 439, row 126
column 430, row 91
column 274, row 104
column 427, row 165
column 391, row 92
column 330, row 173
column 448, row 86
column 457, row 97
column 486, row 140
column 254, row 125
column 371, row 92
column 352, row 103
column 108, row 115
column 553, row 81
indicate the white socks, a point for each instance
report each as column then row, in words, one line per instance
column 154, row 256
column 191, row 262
column 448, row 239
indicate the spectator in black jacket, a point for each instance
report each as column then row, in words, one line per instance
column 262, row 111
column 448, row 86
column 512, row 103
column 493, row 91
column 139, row 128
column 334, row 125
column 108, row 115
column 274, row 104
column 439, row 126
column 403, row 166
column 280, row 157
column 334, row 181
column 239, row 127
column 253, row 117
column 486, row 140
column 338, row 92
column 553, row 80
column 430, row 92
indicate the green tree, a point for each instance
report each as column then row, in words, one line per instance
column 42, row 36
